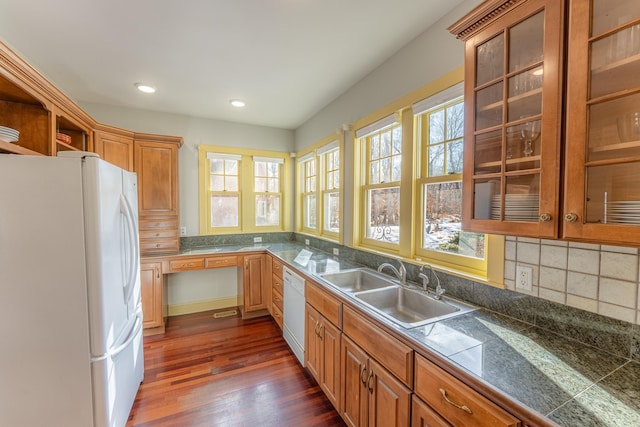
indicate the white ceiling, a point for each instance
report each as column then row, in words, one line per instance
column 286, row 58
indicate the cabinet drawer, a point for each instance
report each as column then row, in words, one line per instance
column 391, row 353
column 456, row 402
column 277, row 268
column 277, row 314
column 186, row 264
column 423, row 415
column 155, row 223
column 277, row 300
column 159, row 245
column 327, row 305
column 158, row 233
column 276, row 284
column 221, row 261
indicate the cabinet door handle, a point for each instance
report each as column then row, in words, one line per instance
column 315, row 330
column 465, row 408
column 321, row 332
column 570, row 217
column 545, row 217
column 157, row 273
column 369, row 385
column 363, row 375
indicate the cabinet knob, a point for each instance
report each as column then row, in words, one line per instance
column 570, row 217
column 545, row 217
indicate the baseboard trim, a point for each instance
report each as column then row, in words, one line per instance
column 205, row 305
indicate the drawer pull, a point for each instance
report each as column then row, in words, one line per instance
column 363, row 376
column 276, row 299
column 369, row 385
column 465, row 408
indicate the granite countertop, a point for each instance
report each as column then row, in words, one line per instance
column 570, row 383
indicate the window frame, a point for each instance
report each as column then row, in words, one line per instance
column 318, row 152
column 422, row 145
column 367, row 186
column 491, row 270
column 246, row 184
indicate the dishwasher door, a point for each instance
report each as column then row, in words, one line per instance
column 294, row 318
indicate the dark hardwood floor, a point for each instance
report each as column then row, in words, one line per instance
column 205, row 371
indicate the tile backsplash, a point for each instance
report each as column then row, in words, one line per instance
column 597, row 278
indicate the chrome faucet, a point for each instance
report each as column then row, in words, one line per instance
column 401, row 273
column 439, row 291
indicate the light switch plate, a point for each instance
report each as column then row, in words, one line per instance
column 183, row 231
column 257, row 240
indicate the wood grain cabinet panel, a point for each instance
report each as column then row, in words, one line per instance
column 456, row 402
column 391, row 353
column 115, row 146
column 152, row 290
column 322, row 353
column 372, row 396
column 252, row 292
column 423, row 416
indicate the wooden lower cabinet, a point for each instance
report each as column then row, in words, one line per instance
column 371, row 395
column 423, row 416
column 152, row 288
column 456, row 402
column 322, row 353
column 252, row 291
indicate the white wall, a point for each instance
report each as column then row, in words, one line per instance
column 429, row 56
column 194, row 131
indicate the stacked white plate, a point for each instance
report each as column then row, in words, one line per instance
column 517, row 207
column 8, row 134
column 623, row 212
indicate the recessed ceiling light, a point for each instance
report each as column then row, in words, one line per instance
column 237, row 103
column 145, row 88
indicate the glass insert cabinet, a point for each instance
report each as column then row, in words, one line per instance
column 544, row 158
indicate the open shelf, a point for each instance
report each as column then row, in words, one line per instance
column 11, row 148
column 616, row 147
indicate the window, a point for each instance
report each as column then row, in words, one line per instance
column 439, row 140
column 381, row 143
column 224, row 190
column 319, row 189
column 267, row 191
column 242, row 190
column 330, row 159
column 309, row 194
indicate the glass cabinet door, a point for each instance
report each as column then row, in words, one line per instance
column 605, row 129
column 514, row 136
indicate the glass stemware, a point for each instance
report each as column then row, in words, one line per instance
column 529, row 131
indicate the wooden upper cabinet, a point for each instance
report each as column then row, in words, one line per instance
column 513, row 107
column 39, row 111
column 602, row 154
column 516, row 158
column 156, row 163
column 115, row 146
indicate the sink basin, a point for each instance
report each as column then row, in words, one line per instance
column 411, row 308
column 358, row 280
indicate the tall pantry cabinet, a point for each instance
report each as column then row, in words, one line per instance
column 545, row 158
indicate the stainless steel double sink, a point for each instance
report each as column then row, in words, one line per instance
column 407, row 307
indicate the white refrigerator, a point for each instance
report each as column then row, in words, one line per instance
column 70, row 308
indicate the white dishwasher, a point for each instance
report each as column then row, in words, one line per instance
column 293, row 326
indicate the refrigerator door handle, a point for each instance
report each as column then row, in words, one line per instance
column 132, row 335
column 132, row 233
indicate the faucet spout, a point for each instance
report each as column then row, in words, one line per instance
column 439, row 291
column 401, row 273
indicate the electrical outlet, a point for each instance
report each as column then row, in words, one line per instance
column 257, row 240
column 183, row 231
column 336, row 251
column 524, row 278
